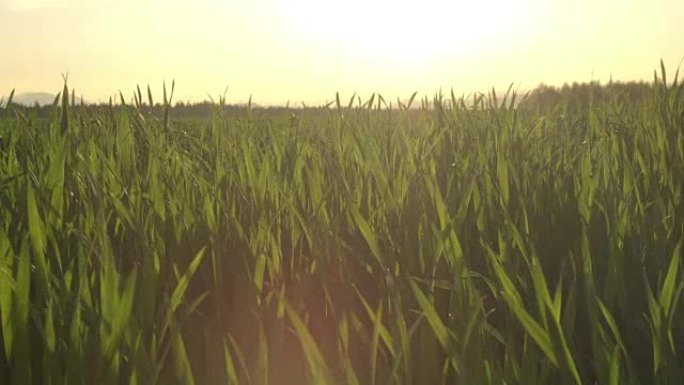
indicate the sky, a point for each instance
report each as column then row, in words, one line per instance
column 307, row 50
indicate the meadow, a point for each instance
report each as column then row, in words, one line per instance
column 444, row 240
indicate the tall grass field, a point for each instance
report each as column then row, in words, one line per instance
column 489, row 239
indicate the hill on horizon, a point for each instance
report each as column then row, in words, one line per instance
column 31, row 98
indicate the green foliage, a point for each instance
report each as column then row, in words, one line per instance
column 481, row 240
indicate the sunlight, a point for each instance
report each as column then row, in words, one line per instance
column 30, row 5
column 408, row 30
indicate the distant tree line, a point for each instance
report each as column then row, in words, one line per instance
column 578, row 96
column 574, row 97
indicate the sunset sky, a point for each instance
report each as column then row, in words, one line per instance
column 309, row 49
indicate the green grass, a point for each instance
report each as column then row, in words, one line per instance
column 477, row 241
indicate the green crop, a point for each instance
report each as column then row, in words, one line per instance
column 472, row 240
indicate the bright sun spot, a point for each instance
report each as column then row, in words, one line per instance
column 408, row 30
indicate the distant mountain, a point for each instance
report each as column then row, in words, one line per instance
column 31, row 98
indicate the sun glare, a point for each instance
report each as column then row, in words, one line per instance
column 408, row 30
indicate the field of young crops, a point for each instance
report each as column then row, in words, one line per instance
column 477, row 241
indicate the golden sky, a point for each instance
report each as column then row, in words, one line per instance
column 309, row 49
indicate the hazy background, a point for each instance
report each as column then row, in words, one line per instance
column 307, row 50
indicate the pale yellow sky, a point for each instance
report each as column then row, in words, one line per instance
column 309, row 49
